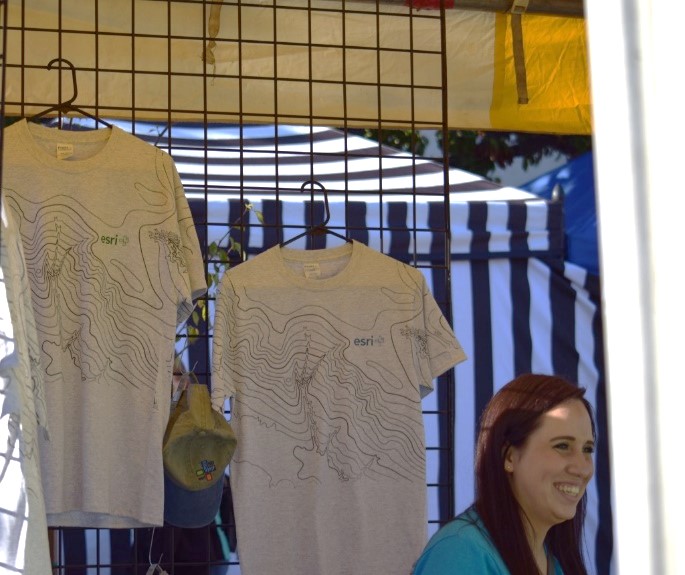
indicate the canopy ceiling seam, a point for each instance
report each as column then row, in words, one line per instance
column 562, row 8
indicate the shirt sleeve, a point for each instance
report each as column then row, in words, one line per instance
column 28, row 366
column 190, row 246
column 223, row 385
column 443, row 350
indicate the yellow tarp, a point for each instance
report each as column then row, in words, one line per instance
column 281, row 62
column 557, row 76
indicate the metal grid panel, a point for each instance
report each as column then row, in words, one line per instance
column 243, row 62
column 107, row 43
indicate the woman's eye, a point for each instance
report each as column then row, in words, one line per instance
column 562, row 446
column 589, row 449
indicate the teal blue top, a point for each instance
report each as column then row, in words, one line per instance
column 463, row 546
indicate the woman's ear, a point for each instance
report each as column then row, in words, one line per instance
column 509, row 460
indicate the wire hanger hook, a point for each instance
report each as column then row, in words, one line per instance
column 66, row 106
column 51, row 65
column 327, row 210
column 319, row 228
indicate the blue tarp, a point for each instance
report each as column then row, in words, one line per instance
column 577, row 181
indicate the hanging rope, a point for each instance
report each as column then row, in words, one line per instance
column 213, row 30
column 518, row 8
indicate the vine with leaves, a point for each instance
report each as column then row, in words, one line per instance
column 221, row 254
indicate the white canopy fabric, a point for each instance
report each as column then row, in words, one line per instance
column 262, row 159
column 322, row 62
column 636, row 96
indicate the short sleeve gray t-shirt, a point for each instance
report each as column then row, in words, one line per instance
column 326, row 355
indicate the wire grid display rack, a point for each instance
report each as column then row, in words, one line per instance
column 248, row 98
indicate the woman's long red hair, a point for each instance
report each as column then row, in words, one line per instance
column 508, row 419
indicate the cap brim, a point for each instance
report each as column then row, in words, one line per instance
column 184, row 508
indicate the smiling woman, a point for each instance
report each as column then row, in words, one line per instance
column 533, row 463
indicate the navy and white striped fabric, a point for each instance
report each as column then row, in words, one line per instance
column 516, row 306
column 522, row 312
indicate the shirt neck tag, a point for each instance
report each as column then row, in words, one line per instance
column 65, row 151
column 312, row 270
